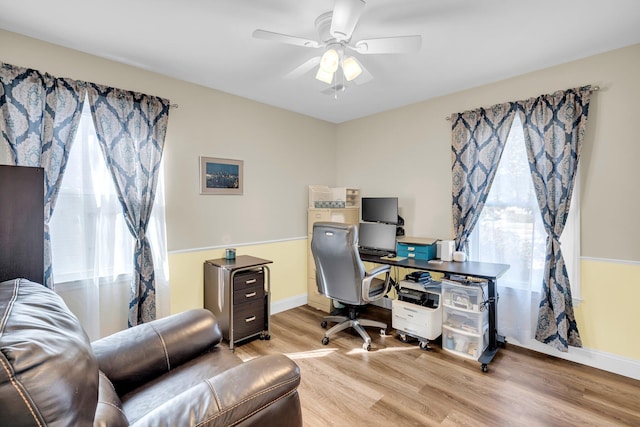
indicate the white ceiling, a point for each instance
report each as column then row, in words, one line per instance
column 465, row 43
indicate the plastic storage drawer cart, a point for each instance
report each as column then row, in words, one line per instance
column 464, row 318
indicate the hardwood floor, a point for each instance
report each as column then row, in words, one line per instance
column 397, row 384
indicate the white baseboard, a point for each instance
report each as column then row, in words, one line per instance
column 585, row 356
column 289, row 303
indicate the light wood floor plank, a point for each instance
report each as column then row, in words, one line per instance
column 397, row 384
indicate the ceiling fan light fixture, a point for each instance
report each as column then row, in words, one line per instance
column 330, row 60
column 324, row 76
column 351, row 68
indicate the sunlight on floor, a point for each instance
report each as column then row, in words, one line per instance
column 311, row 354
column 323, row 352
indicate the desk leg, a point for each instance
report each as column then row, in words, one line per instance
column 495, row 339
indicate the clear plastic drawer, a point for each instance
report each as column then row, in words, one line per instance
column 464, row 344
column 463, row 320
column 464, row 297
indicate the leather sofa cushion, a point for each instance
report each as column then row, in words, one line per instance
column 152, row 394
column 260, row 392
column 48, row 374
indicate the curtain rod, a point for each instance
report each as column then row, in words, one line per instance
column 593, row 89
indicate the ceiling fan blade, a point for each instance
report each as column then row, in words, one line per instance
column 284, row 38
column 303, row 68
column 400, row 44
column 346, row 14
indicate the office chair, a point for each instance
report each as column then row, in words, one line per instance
column 341, row 276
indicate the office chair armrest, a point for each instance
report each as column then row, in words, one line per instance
column 378, row 270
column 368, row 279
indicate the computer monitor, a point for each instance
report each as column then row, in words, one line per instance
column 372, row 235
column 380, row 209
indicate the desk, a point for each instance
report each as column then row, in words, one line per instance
column 489, row 271
column 238, row 292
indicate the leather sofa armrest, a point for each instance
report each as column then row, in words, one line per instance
column 133, row 356
column 262, row 391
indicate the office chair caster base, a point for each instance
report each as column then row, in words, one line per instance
column 485, row 368
column 403, row 338
column 325, row 340
column 366, row 347
column 383, row 332
column 324, row 324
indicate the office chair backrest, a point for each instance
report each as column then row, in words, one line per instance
column 339, row 270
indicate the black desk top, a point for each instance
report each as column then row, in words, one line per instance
column 485, row 270
column 241, row 261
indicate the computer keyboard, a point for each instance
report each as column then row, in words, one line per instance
column 374, row 252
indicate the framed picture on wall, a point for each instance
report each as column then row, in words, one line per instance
column 221, row 176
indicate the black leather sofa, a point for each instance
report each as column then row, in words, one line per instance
column 169, row 372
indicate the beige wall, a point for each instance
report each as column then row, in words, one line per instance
column 284, row 152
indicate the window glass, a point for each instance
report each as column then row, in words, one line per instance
column 89, row 236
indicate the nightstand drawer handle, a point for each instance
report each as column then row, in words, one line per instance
column 248, row 282
column 250, row 294
column 250, row 319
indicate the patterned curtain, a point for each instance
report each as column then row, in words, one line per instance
column 478, row 139
column 39, row 116
column 131, row 128
column 554, row 128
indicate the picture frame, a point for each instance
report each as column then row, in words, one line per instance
column 221, row 176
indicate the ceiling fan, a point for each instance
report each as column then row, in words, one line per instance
column 335, row 29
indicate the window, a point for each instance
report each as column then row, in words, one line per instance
column 87, row 215
column 510, row 228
